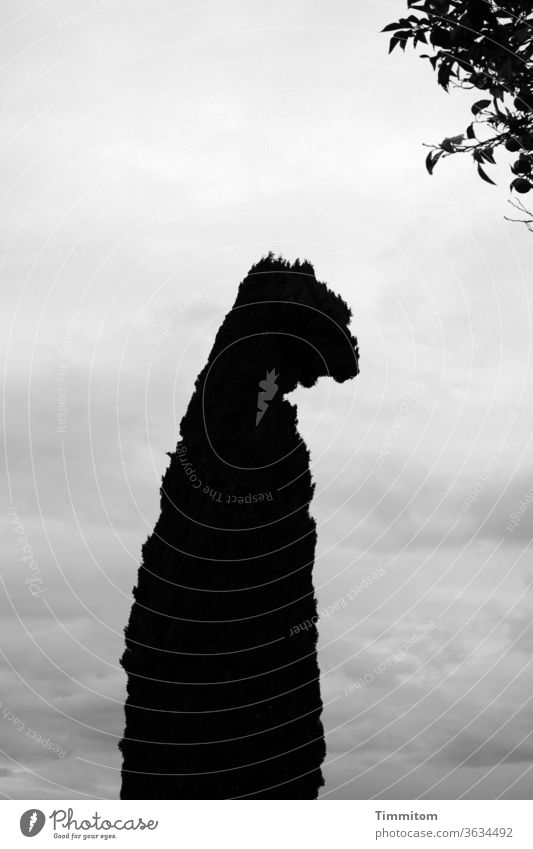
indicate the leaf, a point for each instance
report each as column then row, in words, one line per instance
column 393, row 42
column 484, row 176
column 432, row 158
column 470, row 132
column 523, row 33
column 449, row 144
column 443, row 76
column 506, row 69
column 498, row 94
column 527, row 52
column 479, row 106
column 402, row 37
column 391, row 27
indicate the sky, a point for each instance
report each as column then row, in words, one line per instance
column 151, row 152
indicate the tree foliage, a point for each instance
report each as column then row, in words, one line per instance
column 487, row 46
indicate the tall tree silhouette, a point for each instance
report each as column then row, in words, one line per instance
column 223, row 683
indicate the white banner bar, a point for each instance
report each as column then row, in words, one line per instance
column 268, row 825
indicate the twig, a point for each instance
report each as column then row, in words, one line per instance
column 517, row 204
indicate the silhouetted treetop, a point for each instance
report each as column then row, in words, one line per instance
column 296, row 283
column 270, row 263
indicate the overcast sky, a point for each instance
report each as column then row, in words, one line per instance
column 151, row 152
